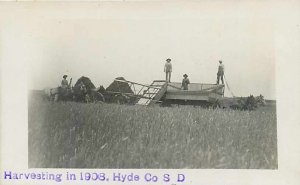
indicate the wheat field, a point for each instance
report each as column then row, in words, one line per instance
column 76, row 135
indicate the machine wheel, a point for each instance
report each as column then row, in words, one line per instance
column 120, row 99
column 97, row 97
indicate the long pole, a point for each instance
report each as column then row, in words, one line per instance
column 125, row 81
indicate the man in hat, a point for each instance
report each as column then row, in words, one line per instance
column 64, row 86
column 220, row 73
column 185, row 82
column 168, row 70
column 64, row 82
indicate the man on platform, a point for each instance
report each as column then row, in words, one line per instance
column 220, row 73
column 168, row 70
column 185, row 82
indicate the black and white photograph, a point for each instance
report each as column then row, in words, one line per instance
column 189, row 91
column 151, row 84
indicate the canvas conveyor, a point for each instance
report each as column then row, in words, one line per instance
column 153, row 93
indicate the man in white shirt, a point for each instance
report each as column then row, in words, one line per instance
column 220, row 73
column 64, row 82
column 64, row 86
column 168, row 70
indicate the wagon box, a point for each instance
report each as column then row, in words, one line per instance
column 198, row 93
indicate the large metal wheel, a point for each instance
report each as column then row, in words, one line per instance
column 120, row 99
column 97, row 97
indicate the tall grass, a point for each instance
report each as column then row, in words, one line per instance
column 74, row 135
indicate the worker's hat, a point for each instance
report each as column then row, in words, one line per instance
column 185, row 75
column 168, row 59
column 65, row 76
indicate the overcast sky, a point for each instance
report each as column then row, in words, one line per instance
column 106, row 40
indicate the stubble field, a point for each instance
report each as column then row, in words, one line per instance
column 76, row 135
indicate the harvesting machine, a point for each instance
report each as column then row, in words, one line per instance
column 167, row 93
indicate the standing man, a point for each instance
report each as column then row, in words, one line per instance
column 168, row 70
column 220, row 73
column 185, row 82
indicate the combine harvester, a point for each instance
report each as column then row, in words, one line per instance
column 168, row 93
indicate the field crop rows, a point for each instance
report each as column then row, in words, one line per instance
column 75, row 135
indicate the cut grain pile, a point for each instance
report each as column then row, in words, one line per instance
column 101, row 89
column 122, row 87
column 86, row 81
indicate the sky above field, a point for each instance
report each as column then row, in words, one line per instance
column 107, row 40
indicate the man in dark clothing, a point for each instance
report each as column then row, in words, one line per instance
column 185, row 82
